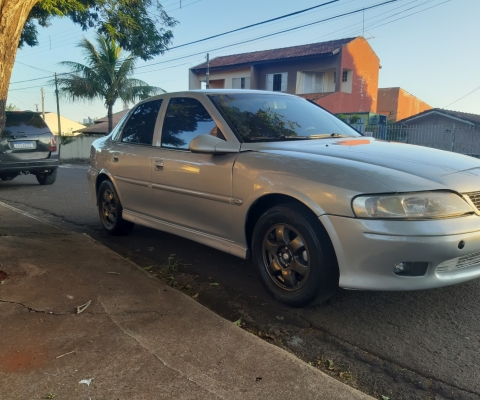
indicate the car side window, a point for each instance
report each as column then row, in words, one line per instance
column 141, row 124
column 185, row 119
column 115, row 133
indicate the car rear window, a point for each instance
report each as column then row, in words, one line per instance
column 28, row 123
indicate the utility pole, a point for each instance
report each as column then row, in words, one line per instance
column 207, row 74
column 36, row 106
column 43, row 103
column 58, row 115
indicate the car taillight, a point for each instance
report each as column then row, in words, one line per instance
column 53, row 144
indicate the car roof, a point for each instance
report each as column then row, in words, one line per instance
column 205, row 92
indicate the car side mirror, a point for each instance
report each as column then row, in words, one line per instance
column 212, row 145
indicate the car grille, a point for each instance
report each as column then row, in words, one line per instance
column 470, row 260
column 474, row 198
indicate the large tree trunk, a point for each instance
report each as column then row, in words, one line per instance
column 13, row 15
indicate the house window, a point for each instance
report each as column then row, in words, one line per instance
column 277, row 82
column 241, row 83
column 313, row 82
column 345, row 76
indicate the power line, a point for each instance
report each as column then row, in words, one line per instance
column 350, row 31
column 44, row 70
column 252, row 25
column 374, row 24
column 29, row 87
column 461, row 98
column 257, row 38
column 30, row 80
column 408, row 15
column 275, row 33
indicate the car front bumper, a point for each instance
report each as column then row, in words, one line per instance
column 367, row 251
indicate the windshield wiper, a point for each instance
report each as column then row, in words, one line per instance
column 327, row 135
column 276, row 138
column 285, row 138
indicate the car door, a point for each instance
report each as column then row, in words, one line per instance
column 130, row 158
column 192, row 190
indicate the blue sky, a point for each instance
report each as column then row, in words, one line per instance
column 430, row 48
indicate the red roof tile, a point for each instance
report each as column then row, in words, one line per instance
column 314, row 49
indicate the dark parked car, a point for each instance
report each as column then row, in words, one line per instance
column 27, row 146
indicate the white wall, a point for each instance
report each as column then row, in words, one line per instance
column 78, row 150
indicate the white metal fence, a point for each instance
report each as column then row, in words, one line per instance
column 465, row 140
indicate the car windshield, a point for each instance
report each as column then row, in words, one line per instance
column 258, row 117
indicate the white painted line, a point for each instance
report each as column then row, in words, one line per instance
column 74, row 166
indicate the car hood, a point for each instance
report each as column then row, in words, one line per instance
column 398, row 166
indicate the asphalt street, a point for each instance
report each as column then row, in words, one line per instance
column 402, row 345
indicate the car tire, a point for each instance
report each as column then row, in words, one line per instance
column 47, row 178
column 8, row 177
column 110, row 210
column 295, row 257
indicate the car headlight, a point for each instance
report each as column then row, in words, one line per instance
column 421, row 205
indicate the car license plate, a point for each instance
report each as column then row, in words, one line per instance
column 24, row 145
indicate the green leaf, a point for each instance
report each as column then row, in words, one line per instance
column 330, row 364
column 148, row 268
column 214, row 284
column 385, row 398
column 238, row 322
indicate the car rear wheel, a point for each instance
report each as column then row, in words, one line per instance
column 47, row 178
column 110, row 210
column 8, row 177
column 295, row 257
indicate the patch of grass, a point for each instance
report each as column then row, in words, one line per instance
column 171, row 265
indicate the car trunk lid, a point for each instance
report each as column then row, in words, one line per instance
column 25, row 137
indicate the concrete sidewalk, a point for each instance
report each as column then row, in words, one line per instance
column 138, row 338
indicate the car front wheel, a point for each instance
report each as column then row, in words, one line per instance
column 110, row 210
column 47, row 178
column 295, row 257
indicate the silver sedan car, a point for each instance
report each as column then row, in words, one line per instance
column 277, row 178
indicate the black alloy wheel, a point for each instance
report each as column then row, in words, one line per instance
column 285, row 257
column 294, row 256
column 110, row 210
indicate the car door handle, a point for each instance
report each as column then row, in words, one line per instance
column 158, row 165
column 115, row 158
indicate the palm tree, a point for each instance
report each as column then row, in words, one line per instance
column 106, row 75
